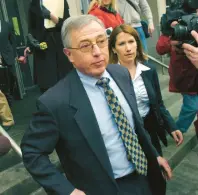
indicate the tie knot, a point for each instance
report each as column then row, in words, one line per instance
column 104, row 81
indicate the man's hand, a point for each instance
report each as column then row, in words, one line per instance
column 151, row 28
column 191, row 51
column 178, row 137
column 77, row 192
column 166, row 170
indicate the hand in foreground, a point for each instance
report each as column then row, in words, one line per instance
column 178, row 137
column 77, row 192
column 191, row 51
column 151, row 29
column 166, row 170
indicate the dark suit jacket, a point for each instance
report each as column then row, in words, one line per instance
column 65, row 121
column 7, row 43
column 163, row 118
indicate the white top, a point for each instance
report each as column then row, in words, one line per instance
column 131, row 16
column 140, row 90
column 109, row 130
column 57, row 8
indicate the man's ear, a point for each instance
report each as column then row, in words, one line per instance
column 68, row 53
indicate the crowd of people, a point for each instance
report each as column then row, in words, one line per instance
column 101, row 106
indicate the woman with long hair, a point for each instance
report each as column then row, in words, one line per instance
column 125, row 48
column 106, row 11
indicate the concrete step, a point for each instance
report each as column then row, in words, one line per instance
column 185, row 178
column 40, row 191
column 9, row 160
column 175, row 154
column 16, row 179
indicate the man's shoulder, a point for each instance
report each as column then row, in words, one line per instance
column 59, row 93
column 117, row 68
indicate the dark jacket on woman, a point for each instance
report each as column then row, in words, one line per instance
column 51, row 64
column 159, row 120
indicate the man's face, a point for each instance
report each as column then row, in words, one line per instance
column 93, row 62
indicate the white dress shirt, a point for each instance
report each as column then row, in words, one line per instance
column 140, row 90
column 109, row 130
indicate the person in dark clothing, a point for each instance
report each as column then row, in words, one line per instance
column 99, row 152
column 50, row 64
column 7, row 58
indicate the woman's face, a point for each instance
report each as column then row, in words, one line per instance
column 106, row 2
column 125, row 47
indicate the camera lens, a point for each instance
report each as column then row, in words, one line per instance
column 180, row 32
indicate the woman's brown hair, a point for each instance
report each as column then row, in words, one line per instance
column 113, row 58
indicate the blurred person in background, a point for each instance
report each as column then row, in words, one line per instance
column 7, row 59
column 183, row 77
column 106, row 11
column 125, row 48
column 192, row 54
column 131, row 11
column 6, row 117
column 50, row 63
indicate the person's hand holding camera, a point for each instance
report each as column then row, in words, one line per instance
column 191, row 51
column 46, row 13
column 175, row 43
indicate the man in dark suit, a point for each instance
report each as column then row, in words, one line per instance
column 7, row 54
column 91, row 119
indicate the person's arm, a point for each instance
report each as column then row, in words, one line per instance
column 39, row 141
column 165, row 114
column 66, row 15
column 58, row 21
column 146, row 10
column 163, row 45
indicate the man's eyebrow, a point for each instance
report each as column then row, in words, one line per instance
column 99, row 36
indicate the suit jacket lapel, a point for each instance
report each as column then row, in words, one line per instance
column 145, row 76
column 87, row 123
column 127, row 91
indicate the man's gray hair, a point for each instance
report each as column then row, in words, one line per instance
column 75, row 23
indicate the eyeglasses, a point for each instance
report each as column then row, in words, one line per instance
column 87, row 46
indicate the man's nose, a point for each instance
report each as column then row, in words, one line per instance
column 96, row 50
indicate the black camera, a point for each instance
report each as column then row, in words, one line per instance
column 184, row 12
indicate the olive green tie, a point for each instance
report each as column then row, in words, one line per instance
column 135, row 153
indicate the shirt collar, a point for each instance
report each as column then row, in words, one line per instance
column 140, row 68
column 89, row 80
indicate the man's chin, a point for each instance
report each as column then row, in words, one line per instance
column 99, row 72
